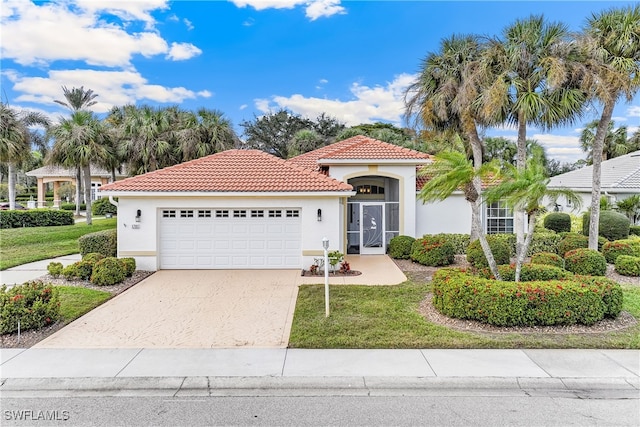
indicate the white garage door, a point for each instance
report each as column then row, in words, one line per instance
column 230, row 238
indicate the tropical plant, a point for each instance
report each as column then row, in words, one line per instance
column 630, row 207
column 203, row 133
column 525, row 189
column 611, row 42
column 615, row 142
column 15, row 141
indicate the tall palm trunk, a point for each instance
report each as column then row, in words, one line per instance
column 87, row 191
column 521, row 163
column 597, row 155
column 12, row 185
column 78, row 189
column 525, row 246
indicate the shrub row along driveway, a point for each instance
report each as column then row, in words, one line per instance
column 191, row 308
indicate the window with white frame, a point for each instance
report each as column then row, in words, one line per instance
column 499, row 218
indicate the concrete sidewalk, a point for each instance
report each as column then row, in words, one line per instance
column 33, row 270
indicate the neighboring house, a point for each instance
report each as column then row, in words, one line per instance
column 620, row 178
column 249, row 209
column 59, row 174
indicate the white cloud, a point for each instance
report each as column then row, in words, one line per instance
column 369, row 104
column 314, row 9
column 38, row 34
column 323, row 81
column 323, row 8
column 619, row 119
column 243, row 107
column 113, row 88
column 183, row 51
column 633, row 111
column 564, row 148
column 188, row 24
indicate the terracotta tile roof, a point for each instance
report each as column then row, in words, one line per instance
column 357, row 148
column 232, row 171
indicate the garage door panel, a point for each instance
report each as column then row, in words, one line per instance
column 218, row 242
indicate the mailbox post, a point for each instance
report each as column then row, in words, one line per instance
column 325, row 245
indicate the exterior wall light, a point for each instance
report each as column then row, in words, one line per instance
column 319, row 215
column 138, row 215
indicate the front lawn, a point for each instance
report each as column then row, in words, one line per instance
column 387, row 317
column 22, row 245
column 76, row 301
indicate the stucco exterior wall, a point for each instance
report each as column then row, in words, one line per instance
column 140, row 239
column 452, row 215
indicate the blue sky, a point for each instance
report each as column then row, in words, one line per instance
column 350, row 59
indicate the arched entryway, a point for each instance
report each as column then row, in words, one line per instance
column 373, row 214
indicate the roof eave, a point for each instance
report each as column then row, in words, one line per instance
column 337, row 162
column 124, row 193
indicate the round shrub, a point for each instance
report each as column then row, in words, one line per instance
column 84, row 269
column 70, row 272
column 612, row 250
column 634, row 230
column 34, row 304
column 628, row 265
column 129, row 265
column 434, row 251
column 104, row 242
column 558, row 222
column 585, row 261
column 548, row 258
column 533, row 272
column 93, row 257
column 612, row 225
column 400, row 247
column 572, row 241
column 108, row 271
column 500, row 250
column 55, row 268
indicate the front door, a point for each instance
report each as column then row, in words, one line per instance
column 372, row 229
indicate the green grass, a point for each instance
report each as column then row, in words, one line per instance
column 387, row 317
column 76, row 301
column 22, row 245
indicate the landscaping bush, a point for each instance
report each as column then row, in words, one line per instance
column 611, row 250
column 33, row 304
column 55, row 268
column 585, row 261
column 544, row 242
column 35, row 218
column 108, row 271
column 84, row 269
column 555, row 302
column 547, row 258
column 533, row 272
column 572, row 241
column 104, row 242
column 70, row 272
column 72, row 206
column 558, row 222
column 509, row 239
column 460, row 242
column 634, row 230
column 433, row 250
column 609, row 291
column 93, row 257
column 102, row 207
column 129, row 265
column 612, row 226
column 475, row 255
column 400, row 247
column 628, row 265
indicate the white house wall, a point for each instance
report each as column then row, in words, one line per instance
column 452, row 215
column 140, row 239
column 405, row 174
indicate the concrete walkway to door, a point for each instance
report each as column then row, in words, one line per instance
column 207, row 309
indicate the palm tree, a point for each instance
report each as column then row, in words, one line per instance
column 206, row 132
column 612, row 42
column 538, row 83
column 16, row 140
column 450, row 172
column 615, row 141
column 80, row 140
column 77, row 99
column 525, row 189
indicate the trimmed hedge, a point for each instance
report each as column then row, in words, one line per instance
column 611, row 250
column 572, row 241
column 634, row 230
column 544, row 242
column 500, row 250
column 532, row 272
column 93, row 257
column 460, row 242
column 434, row 251
column 108, row 271
column 35, row 304
column 129, row 265
column 558, row 222
column 55, row 268
column 103, row 242
column 612, row 225
column 585, row 261
column 557, row 302
column 102, row 207
column 628, row 265
column 548, row 258
column 72, row 206
column 400, row 247
column 35, row 218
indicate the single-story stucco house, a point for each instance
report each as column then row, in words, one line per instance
column 620, row 179
column 242, row 209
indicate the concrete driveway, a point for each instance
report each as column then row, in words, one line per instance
column 191, row 308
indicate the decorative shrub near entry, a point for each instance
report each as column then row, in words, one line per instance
column 55, row 268
column 35, row 218
column 108, row 271
column 612, row 226
column 104, row 242
column 433, row 250
column 129, row 265
column 580, row 300
column 33, row 304
column 532, row 272
column 499, row 248
column 585, row 261
column 400, row 247
column 558, row 222
column 628, row 265
column 548, row 258
column 572, row 241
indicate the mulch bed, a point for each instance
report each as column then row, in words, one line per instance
column 31, row 337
